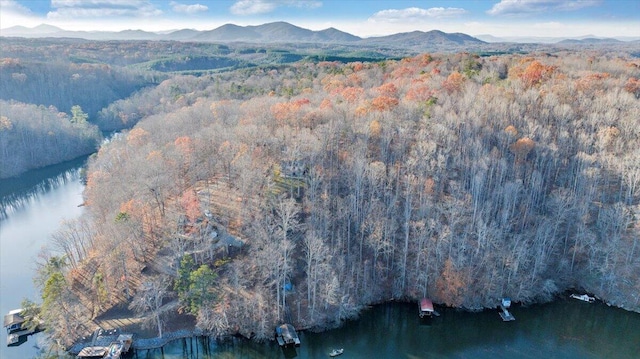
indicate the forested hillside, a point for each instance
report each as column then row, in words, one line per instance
column 36, row 136
column 64, row 84
column 457, row 177
column 111, row 80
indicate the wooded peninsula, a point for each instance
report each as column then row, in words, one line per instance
column 305, row 192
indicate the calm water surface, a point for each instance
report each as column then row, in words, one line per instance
column 31, row 209
column 564, row 329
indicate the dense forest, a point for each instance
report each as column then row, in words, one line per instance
column 36, row 136
column 308, row 191
column 106, row 79
column 65, row 84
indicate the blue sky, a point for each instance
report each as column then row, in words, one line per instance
column 359, row 17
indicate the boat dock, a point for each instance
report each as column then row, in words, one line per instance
column 92, row 352
column 17, row 332
column 583, row 297
column 118, row 345
column 286, row 335
column 504, row 312
column 425, row 309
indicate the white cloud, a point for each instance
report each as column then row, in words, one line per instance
column 521, row 7
column 75, row 9
column 250, row 7
column 14, row 14
column 253, row 7
column 14, row 7
column 188, row 9
column 415, row 14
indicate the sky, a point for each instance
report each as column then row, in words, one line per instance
column 502, row 18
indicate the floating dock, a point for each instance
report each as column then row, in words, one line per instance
column 506, row 315
column 116, row 349
column 583, row 297
column 504, row 312
column 92, row 352
column 119, row 347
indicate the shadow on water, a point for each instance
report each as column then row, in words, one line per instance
column 563, row 329
column 17, row 192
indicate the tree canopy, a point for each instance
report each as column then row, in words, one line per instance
column 317, row 189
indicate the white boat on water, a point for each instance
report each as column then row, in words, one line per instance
column 583, row 297
column 336, row 352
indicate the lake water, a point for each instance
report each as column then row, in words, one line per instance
column 32, row 208
column 563, row 329
column 40, row 200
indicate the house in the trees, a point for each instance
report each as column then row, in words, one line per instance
column 293, row 169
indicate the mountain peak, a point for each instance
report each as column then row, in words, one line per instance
column 272, row 32
column 46, row 28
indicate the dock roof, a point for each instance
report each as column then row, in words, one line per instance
column 426, row 305
column 12, row 318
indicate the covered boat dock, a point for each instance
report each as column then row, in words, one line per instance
column 426, row 309
column 17, row 330
column 286, row 335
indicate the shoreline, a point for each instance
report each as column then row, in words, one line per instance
column 169, row 336
column 145, row 343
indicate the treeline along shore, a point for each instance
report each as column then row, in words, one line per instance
column 306, row 192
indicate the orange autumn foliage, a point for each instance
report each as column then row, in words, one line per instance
column 286, row 110
column 184, row 144
column 522, row 147
column 419, row 93
column 132, row 207
column 361, row 110
column 191, row 205
column 154, row 156
column 354, row 80
column 403, row 71
column 633, row 86
column 454, row 82
column 137, row 136
column 592, row 81
column 326, row 104
column 451, row 284
column 351, row 94
column 332, row 84
column 384, row 103
column 357, row 66
column 511, row 131
column 388, row 90
column 536, row 73
column 424, row 59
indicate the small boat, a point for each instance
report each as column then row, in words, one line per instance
column 583, row 297
column 336, row 352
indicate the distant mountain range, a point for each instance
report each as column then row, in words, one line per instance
column 283, row 32
column 587, row 39
column 271, row 32
column 275, row 32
